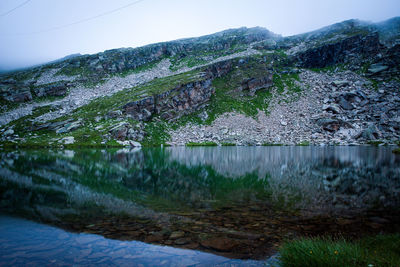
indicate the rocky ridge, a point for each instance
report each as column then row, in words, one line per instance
column 337, row 85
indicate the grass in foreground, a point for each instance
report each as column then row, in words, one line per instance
column 381, row 250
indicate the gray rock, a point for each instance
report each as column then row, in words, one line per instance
column 113, row 114
column 340, row 83
column 370, row 133
column 335, row 109
column 345, row 104
column 54, row 89
column 9, row 132
column 377, row 68
column 19, row 96
column 120, row 131
column 67, row 140
column 68, row 127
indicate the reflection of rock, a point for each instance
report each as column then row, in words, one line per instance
column 346, row 176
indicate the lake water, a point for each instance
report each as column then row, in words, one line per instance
column 188, row 206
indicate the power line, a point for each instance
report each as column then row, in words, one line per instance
column 11, row 10
column 79, row 21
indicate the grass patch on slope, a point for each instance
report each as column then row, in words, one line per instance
column 229, row 98
column 381, row 250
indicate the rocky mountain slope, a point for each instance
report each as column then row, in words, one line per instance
column 246, row 86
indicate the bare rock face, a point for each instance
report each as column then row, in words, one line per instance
column 19, row 96
column 183, row 99
column 14, row 91
column 54, row 89
column 252, row 85
column 180, row 100
column 339, row 52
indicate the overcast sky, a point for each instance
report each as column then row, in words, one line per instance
column 34, row 32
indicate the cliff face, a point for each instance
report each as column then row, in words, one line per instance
column 355, row 48
column 181, row 100
column 244, row 86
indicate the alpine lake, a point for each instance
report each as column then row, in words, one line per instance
column 183, row 206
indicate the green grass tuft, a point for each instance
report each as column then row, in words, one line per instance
column 381, row 250
column 228, row 144
column 207, row 143
column 304, row 143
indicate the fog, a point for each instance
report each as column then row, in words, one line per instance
column 37, row 31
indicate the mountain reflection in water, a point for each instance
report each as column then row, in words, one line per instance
column 239, row 202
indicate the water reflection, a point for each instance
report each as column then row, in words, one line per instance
column 234, row 201
column 26, row 243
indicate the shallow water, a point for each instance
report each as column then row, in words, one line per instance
column 24, row 243
column 237, row 202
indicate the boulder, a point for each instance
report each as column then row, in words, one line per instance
column 113, row 114
column 340, row 83
column 53, row 89
column 70, row 126
column 252, row 85
column 67, row 140
column 369, row 133
column 377, row 68
column 19, row 96
column 344, row 104
column 335, row 109
column 120, row 131
column 9, row 132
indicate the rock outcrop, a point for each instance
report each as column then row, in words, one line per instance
column 340, row 52
column 53, row 89
column 252, row 85
column 183, row 99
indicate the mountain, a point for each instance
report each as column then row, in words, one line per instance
column 245, row 86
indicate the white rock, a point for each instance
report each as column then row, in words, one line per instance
column 67, row 140
column 9, row 132
column 135, row 144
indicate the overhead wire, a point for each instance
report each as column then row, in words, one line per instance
column 79, row 21
column 15, row 8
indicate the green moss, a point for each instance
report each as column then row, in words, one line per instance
column 287, row 81
column 207, row 143
column 228, row 98
column 381, row 250
column 396, row 151
column 304, row 143
column 156, row 133
column 228, row 144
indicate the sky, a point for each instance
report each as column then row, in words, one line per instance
column 37, row 31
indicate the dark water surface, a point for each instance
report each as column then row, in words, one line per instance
column 236, row 202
